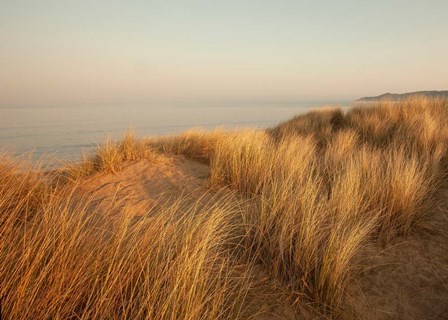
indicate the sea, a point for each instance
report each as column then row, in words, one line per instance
column 65, row 132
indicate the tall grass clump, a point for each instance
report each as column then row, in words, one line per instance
column 110, row 157
column 416, row 125
column 22, row 189
column 68, row 261
column 322, row 187
column 299, row 231
column 320, row 124
column 195, row 144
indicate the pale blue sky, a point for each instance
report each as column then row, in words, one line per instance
column 83, row 52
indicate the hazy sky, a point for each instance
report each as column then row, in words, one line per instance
column 88, row 52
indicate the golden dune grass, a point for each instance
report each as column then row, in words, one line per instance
column 110, row 157
column 62, row 260
column 195, row 144
column 309, row 194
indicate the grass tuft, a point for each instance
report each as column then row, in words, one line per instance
column 110, row 157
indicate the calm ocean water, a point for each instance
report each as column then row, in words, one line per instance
column 63, row 132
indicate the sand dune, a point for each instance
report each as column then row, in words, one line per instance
column 330, row 215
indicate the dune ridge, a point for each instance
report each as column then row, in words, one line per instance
column 329, row 215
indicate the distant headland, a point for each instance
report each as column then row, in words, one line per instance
column 401, row 96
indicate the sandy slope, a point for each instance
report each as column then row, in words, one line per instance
column 144, row 184
column 406, row 280
column 409, row 278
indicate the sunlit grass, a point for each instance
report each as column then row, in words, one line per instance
column 299, row 203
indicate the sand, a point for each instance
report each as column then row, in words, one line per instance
column 143, row 184
column 409, row 278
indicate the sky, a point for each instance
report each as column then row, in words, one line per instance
column 125, row 52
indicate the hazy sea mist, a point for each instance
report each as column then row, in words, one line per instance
column 64, row 132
